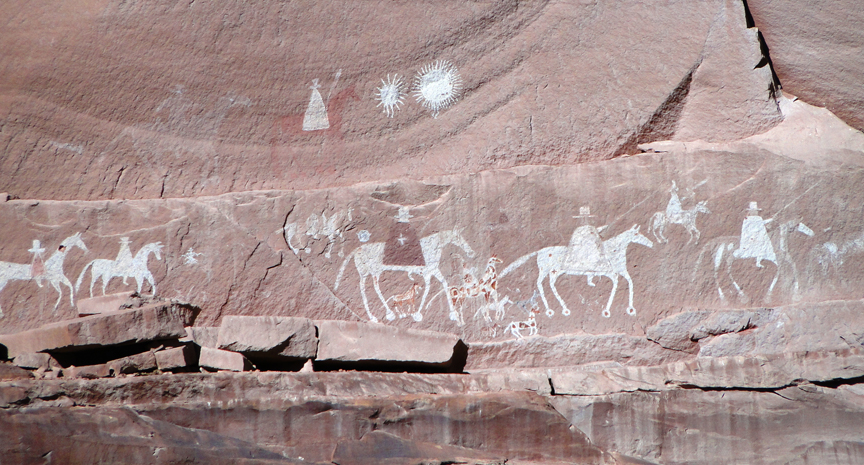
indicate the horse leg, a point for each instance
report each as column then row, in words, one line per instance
column 718, row 260
column 614, row 278
column 552, row 278
column 741, row 295
column 56, row 285
column 631, row 310
column 366, row 300
column 390, row 315
column 418, row 315
column 540, row 277
column 773, row 283
column 68, row 284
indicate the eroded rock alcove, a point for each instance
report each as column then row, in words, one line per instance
column 422, row 232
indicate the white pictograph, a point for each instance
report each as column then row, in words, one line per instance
column 40, row 270
column 364, row 236
column 191, row 257
column 369, row 261
column 404, row 303
column 832, row 254
column 316, row 113
column 516, row 327
column 754, row 243
column 437, row 86
column 674, row 214
column 318, row 226
column 124, row 266
column 471, row 288
column 585, row 257
column 391, row 95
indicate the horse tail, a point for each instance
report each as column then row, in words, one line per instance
column 342, row 268
column 81, row 276
column 519, row 262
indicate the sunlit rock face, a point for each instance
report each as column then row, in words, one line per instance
column 417, row 232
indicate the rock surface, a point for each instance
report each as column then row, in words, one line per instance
column 815, row 50
column 149, row 323
column 269, row 336
column 347, row 341
column 539, row 232
column 102, row 304
column 207, row 99
column 217, row 359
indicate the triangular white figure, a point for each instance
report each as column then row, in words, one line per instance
column 316, row 113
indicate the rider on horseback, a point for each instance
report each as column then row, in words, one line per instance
column 585, row 251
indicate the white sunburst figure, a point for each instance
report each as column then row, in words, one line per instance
column 390, row 95
column 437, row 86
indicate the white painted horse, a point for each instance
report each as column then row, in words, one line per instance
column 551, row 262
column 686, row 218
column 109, row 269
column 53, row 270
column 369, row 261
column 723, row 253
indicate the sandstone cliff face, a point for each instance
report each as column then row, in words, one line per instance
column 591, row 232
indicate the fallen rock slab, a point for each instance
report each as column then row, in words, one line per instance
column 102, row 304
column 270, row 336
column 204, row 336
column 217, row 359
column 348, row 341
column 32, row 360
column 568, row 350
column 149, row 323
column 176, row 358
column 138, row 363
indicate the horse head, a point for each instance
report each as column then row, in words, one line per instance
column 702, row 207
column 74, row 241
column 635, row 236
column 455, row 236
column 154, row 247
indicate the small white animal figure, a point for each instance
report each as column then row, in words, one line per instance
column 516, row 327
column 405, row 300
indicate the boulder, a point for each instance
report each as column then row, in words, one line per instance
column 138, row 363
column 269, row 336
column 32, row 360
column 102, row 370
column 217, row 359
column 176, row 358
column 204, row 336
column 349, row 341
column 102, row 304
column 149, row 323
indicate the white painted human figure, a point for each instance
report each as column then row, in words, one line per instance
column 191, row 257
column 755, row 242
column 675, row 214
column 123, row 260
column 136, row 267
column 316, row 113
column 52, row 268
column 585, row 250
column 37, row 265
